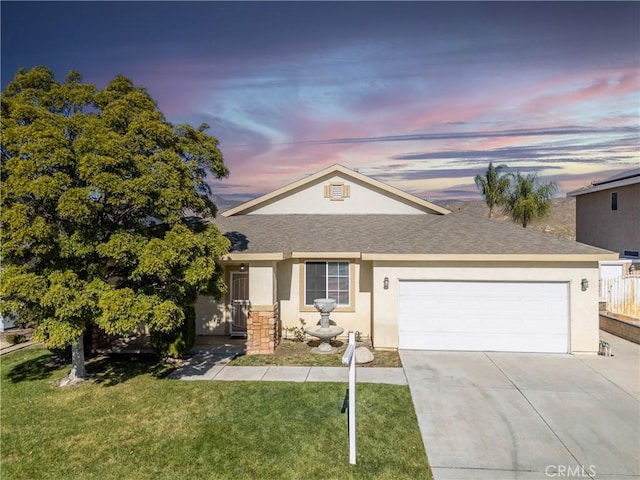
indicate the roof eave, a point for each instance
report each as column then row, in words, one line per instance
column 426, row 257
column 500, row 257
column 246, row 257
column 604, row 186
column 326, row 255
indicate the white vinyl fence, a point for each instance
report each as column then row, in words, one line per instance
column 622, row 294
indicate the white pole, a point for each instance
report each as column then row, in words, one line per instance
column 350, row 358
column 352, row 403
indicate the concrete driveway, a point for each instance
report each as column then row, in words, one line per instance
column 528, row 416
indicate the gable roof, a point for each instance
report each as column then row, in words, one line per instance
column 628, row 177
column 457, row 236
column 332, row 170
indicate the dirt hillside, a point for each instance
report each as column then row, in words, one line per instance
column 561, row 222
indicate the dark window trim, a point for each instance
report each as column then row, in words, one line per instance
column 614, row 200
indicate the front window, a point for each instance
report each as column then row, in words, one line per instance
column 327, row 280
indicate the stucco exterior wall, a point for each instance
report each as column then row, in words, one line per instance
column 583, row 306
column 211, row 317
column 310, row 199
column 615, row 230
column 358, row 318
column 262, row 283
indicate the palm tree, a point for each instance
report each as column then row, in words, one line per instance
column 494, row 186
column 527, row 200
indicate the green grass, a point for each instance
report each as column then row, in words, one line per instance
column 128, row 423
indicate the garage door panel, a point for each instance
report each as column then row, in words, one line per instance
column 486, row 343
column 491, row 316
column 461, row 317
column 479, row 324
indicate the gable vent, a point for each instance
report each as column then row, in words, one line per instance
column 336, row 191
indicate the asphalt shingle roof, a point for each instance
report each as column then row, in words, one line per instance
column 455, row 233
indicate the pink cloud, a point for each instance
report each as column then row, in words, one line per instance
column 566, row 91
column 500, row 142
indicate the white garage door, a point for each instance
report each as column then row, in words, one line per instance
column 484, row 316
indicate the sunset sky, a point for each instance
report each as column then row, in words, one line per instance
column 420, row 95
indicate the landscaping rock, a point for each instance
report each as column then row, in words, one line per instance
column 363, row 355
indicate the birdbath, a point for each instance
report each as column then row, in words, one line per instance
column 325, row 331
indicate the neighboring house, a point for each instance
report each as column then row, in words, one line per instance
column 405, row 272
column 7, row 322
column 608, row 213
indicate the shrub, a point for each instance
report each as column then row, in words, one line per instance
column 16, row 338
column 178, row 342
column 297, row 332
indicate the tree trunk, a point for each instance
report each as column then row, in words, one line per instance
column 78, row 371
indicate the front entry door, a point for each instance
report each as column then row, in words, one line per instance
column 239, row 303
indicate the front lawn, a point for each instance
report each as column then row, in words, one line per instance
column 128, row 423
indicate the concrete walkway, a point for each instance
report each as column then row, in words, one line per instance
column 213, row 364
column 12, row 348
column 528, row 416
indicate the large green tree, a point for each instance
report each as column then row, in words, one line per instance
column 104, row 210
column 494, row 186
column 528, row 199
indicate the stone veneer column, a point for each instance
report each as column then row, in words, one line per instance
column 262, row 330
